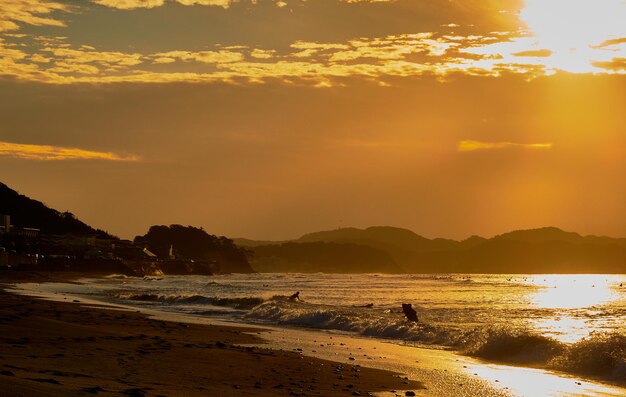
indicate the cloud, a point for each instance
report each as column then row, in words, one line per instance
column 307, row 45
column 45, row 152
column 262, row 54
column 391, row 47
column 129, row 4
column 533, row 53
column 73, row 59
column 218, row 3
column 134, row 4
column 440, row 53
column 615, row 65
column 470, row 146
column 319, row 64
column 32, row 12
column 88, row 56
column 38, row 12
column 612, row 42
column 367, row 1
column 201, row 56
column 325, row 63
column 11, row 63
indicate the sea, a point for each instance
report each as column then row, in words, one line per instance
column 569, row 323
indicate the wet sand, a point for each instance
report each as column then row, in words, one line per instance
column 59, row 349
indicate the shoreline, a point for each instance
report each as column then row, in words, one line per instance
column 50, row 348
column 443, row 372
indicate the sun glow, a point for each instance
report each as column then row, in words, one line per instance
column 577, row 31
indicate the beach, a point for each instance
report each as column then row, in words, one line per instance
column 52, row 348
column 61, row 335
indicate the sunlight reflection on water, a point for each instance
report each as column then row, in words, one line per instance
column 574, row 291
column 537, row 382
column 579, row 297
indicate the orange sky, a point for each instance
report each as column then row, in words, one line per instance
column 270, row 119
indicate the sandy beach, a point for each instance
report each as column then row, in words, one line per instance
column 57, row 340
column 60, row 349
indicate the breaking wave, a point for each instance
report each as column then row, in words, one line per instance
column 373, row 322
column 510, row 344
column 236, row 303
column 600, row 355
column 116, row 276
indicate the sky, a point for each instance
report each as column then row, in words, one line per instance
column 270, row 119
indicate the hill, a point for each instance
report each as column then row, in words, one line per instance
column 512, row 256
column 26, row 212
column 195, row 244
column 543, row 250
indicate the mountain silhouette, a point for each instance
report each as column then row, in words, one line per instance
column 26, row 212
column 542, row 250
column 191, row 243
column 352, row 250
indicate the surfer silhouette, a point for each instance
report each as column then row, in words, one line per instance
column 295, row 297
column 409, row 312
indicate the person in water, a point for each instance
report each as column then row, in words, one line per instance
column 295, row 297
column 409, row 312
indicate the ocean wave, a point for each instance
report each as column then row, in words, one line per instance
column 373, row 322
column 116, row 276
column 510, row 344
column 601, row 354
column 244, row 303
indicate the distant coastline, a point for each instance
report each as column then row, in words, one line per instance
column 35, row 237
column 534, row 251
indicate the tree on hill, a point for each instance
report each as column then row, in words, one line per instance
column 193, row 243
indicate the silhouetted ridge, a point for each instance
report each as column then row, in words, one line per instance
column 541, row 235
column 380, row 234
column 191, row 243
column 26, row 212
column 542, row 250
